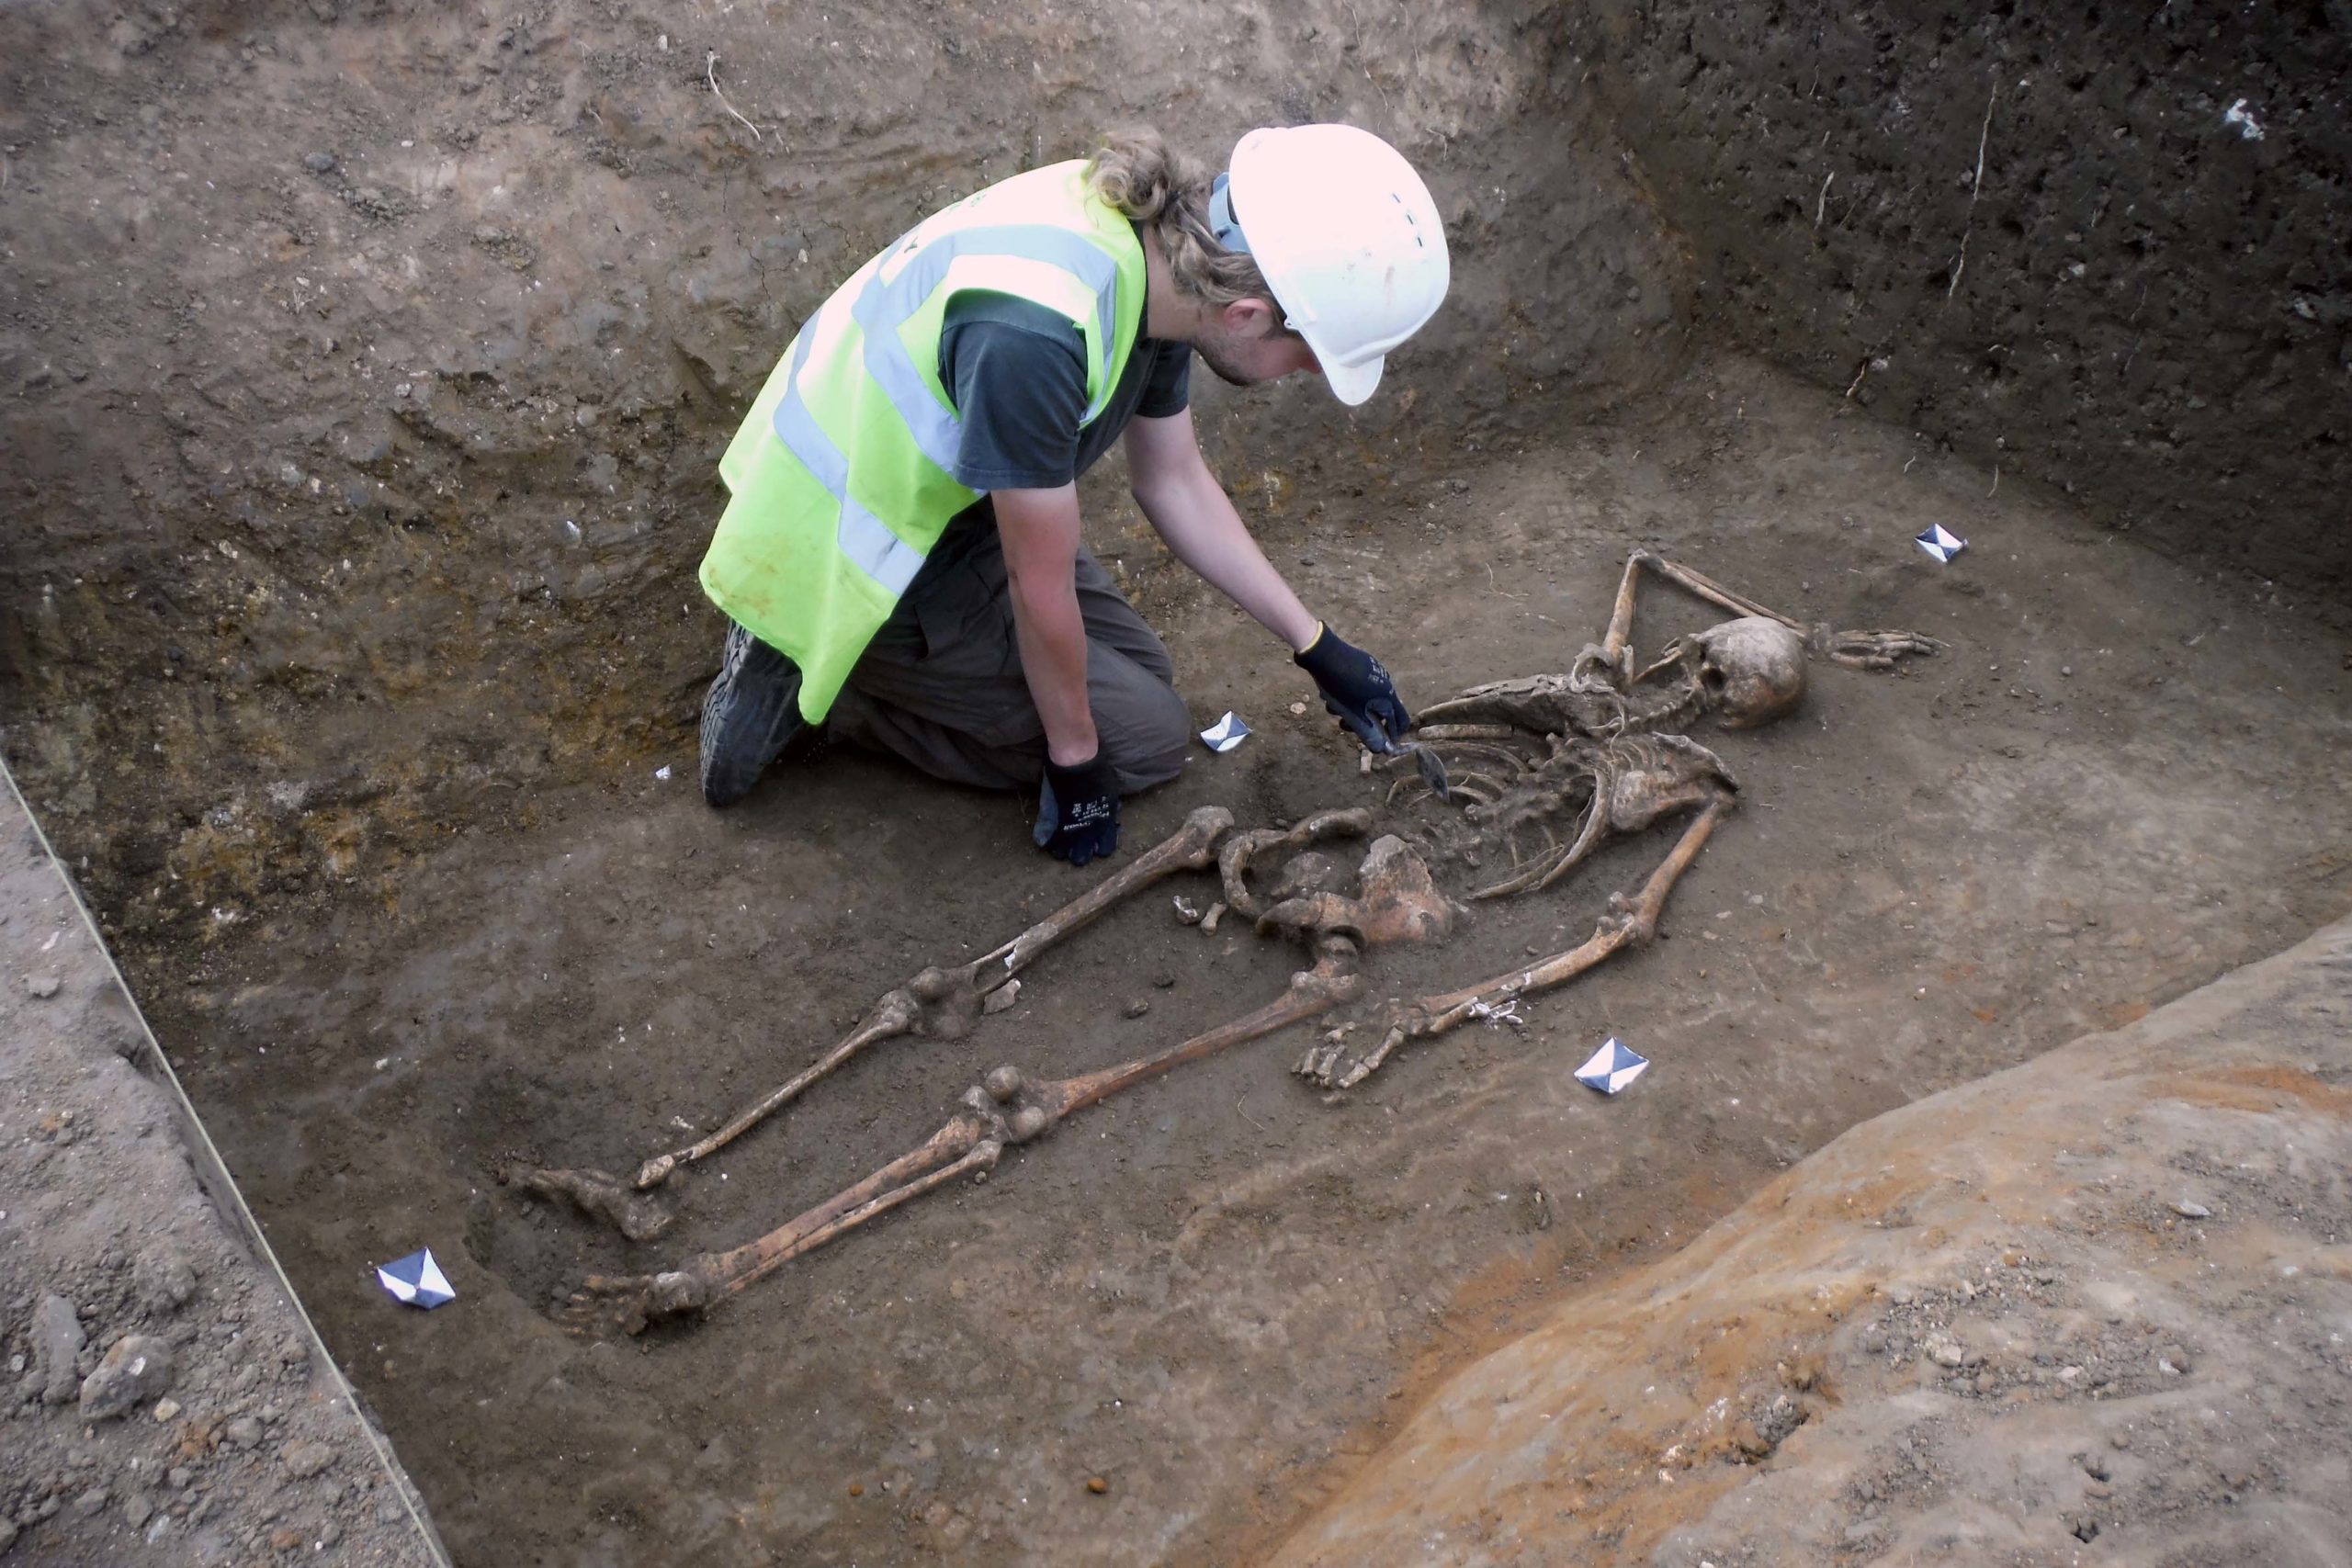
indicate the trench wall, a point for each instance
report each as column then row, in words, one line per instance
column 364, row 366
column 2107, row 247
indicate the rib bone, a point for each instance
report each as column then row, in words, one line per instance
column 1633, row 780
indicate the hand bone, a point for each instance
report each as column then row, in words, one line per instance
column 1871, row 651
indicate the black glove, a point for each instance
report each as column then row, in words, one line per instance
column 1356, row 690
column 1077, row 811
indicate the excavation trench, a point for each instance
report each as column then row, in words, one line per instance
column 352, row 650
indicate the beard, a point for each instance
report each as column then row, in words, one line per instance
column 1221, row 365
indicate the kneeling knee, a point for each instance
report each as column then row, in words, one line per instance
column 1148, row 745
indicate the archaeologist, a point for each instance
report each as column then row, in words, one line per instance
column 900, row 559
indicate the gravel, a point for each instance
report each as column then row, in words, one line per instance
column 153, row 1452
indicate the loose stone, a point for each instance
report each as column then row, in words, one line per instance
column 304, row 1457
column 137, row 1370
column 56, row 1340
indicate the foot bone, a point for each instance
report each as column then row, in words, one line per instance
column 1006, row 1108
column 598, row 1194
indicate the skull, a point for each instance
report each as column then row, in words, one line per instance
column 1750, row 670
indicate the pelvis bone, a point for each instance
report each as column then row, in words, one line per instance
column 1398, row 902
column 1537, row 771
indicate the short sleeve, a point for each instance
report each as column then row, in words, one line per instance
column 1017, row 372
column 1169, row 389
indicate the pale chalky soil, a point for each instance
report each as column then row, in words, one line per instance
column 165, row 1401
column 2091, row 1310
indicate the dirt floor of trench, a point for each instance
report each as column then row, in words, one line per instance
column 2121, row 780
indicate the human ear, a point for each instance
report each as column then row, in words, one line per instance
column 1250, row 318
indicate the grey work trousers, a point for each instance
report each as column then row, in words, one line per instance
column 941, row 685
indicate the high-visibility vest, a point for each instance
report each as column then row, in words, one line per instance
column 839, row 479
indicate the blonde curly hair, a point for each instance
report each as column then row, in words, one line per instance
column 1136, row 172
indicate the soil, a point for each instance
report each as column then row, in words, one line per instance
column 369, row 371
column 1201, row 1292
column 2089, row 1310
column 2109, row 247
column 166, row 1400
column 380, row 453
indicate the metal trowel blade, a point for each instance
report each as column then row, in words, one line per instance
column 1432, row 772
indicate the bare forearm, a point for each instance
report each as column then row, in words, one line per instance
column 1192, row 513
column 1040, row 532
column 1051, row 633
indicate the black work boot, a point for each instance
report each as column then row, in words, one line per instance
column 752, row 713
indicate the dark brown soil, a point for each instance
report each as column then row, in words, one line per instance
column 369, row 371
column 1198, row 1291
column 2109, row 247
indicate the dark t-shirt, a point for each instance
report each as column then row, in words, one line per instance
column 1017, row 373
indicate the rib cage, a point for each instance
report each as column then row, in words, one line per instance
column 1543, row 803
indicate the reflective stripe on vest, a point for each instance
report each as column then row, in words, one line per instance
column 886, row 302
column 843, row 476
column 864, row 538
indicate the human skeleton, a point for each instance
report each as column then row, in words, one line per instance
column 1544, row 769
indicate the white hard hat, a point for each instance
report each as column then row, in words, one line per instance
column 1347, row 237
